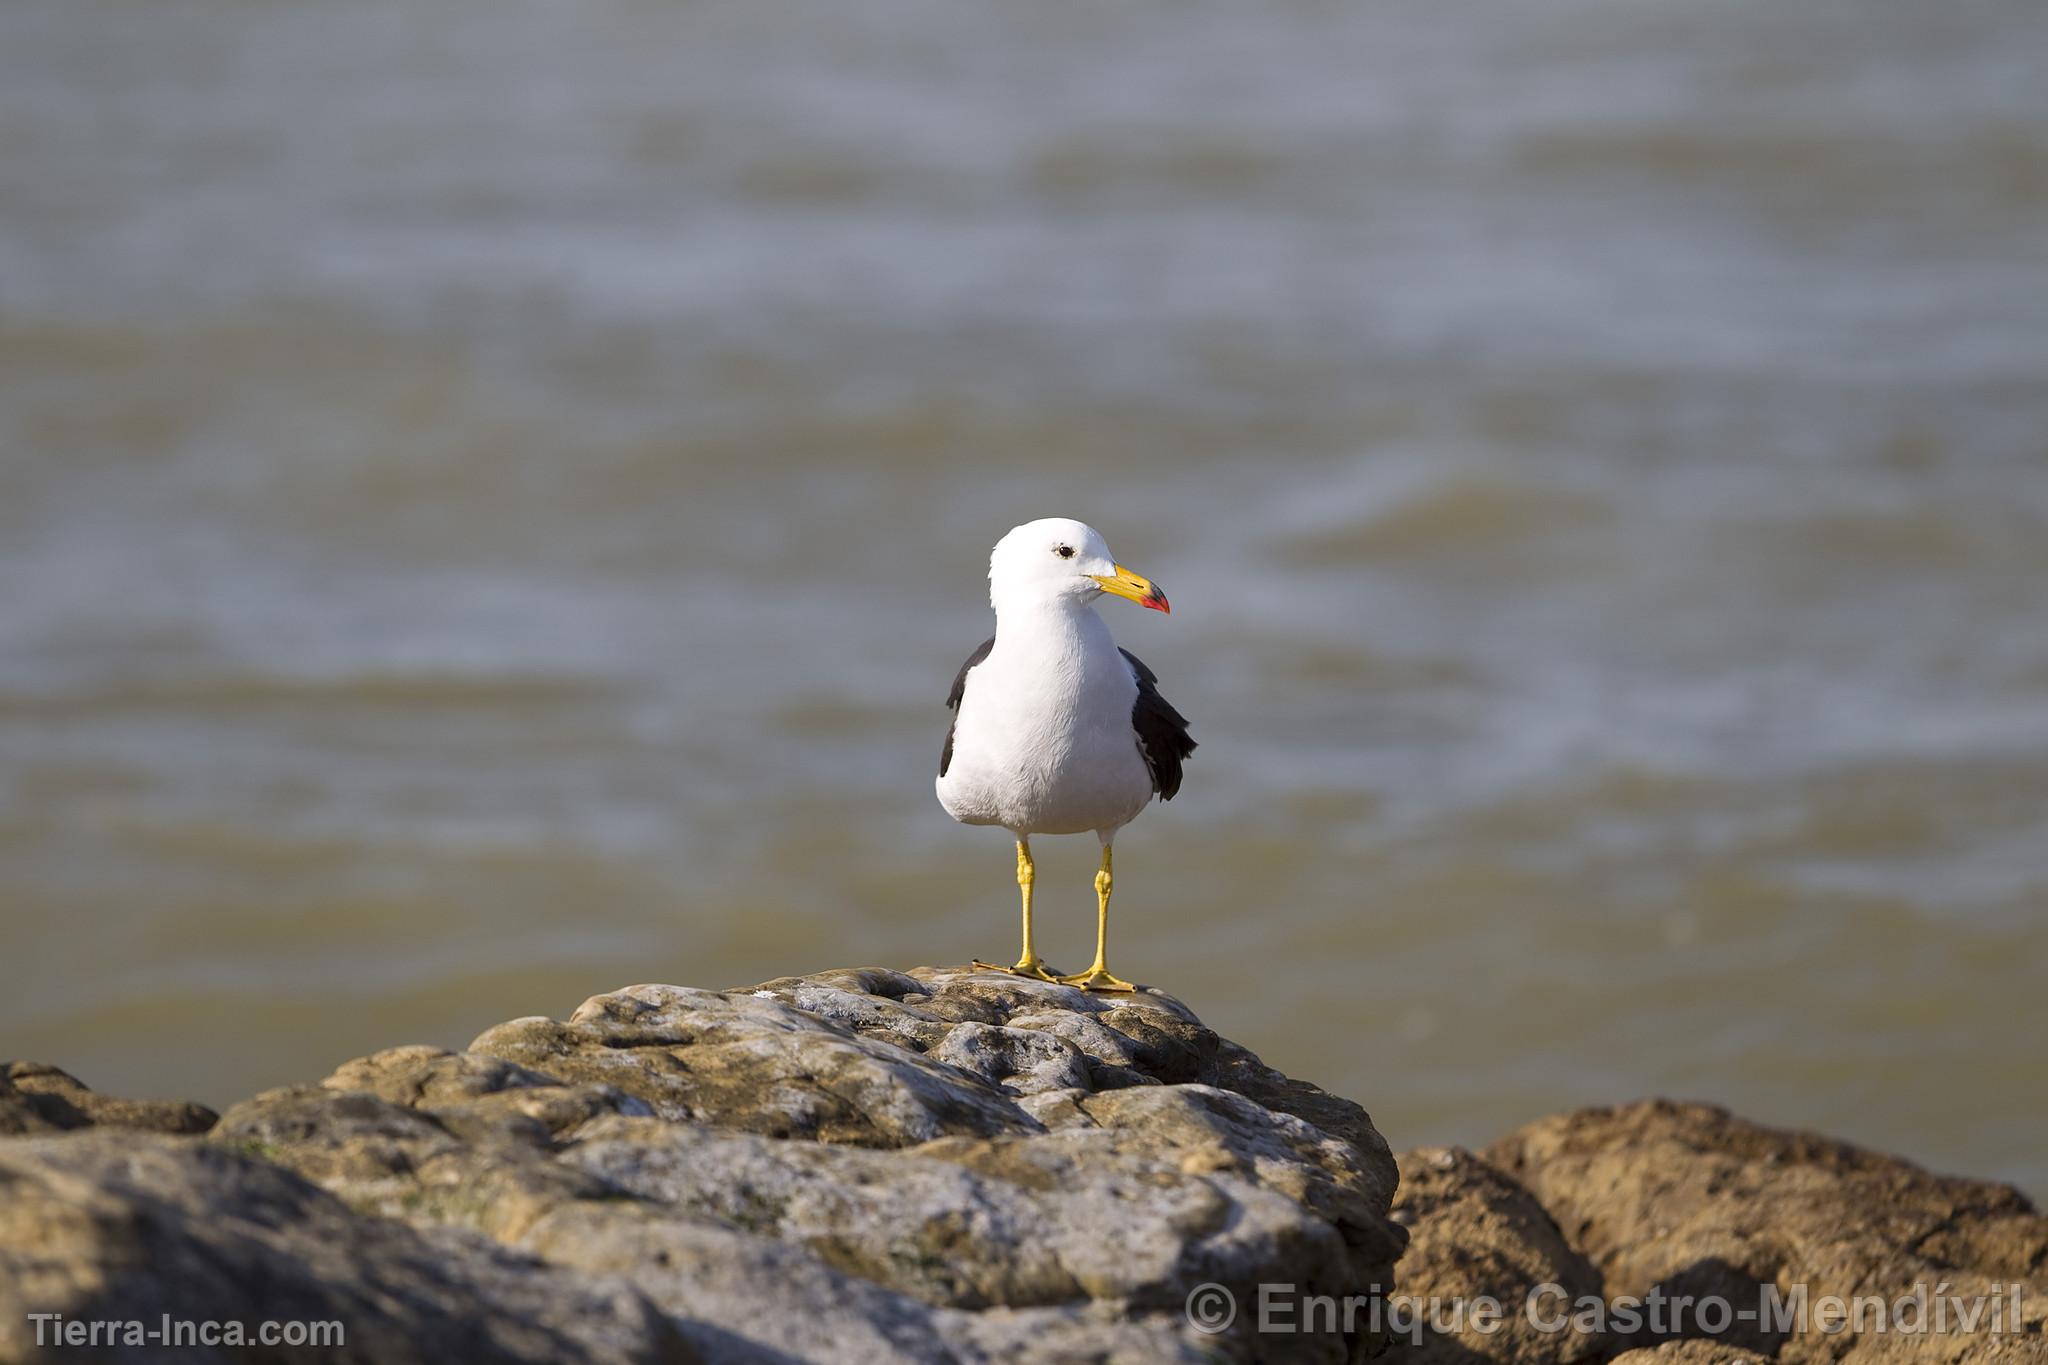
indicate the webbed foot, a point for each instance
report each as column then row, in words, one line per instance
column 1097, row 978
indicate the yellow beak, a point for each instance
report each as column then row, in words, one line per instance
column 1138, row 588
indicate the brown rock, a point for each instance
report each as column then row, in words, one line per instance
column 1474, row 1233
column 1690, row 1351
column 1687, row 1200
column 37, row 1098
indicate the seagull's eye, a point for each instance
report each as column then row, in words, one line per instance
column 1063, row 551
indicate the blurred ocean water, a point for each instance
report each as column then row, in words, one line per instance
column 491, row 499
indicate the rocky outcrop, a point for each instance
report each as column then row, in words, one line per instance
column 1650, row 1212
column 1475, row 1234
column 1690, row 1351
column 35, row 1098
column 1686, row 1200
column 106, row 1228
column 857, row 1166
column 953, row 1166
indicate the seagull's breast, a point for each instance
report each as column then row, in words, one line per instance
column 1044, row 742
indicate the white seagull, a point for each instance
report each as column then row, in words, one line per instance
column 1056, row 730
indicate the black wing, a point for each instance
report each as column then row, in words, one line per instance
column 1162, row 731
column 953, row 700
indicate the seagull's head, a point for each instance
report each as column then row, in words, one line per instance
column 1059, row 560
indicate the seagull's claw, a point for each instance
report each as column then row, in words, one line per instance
column 1033, row 967
column 1097, row 979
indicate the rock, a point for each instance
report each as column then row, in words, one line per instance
column 131, row 1228
column 1686, row 1199
column 951, row 1167
column 36, row 1098
column 933, row 1166
column 747, row 1061
column 1474, row 1233
column 1690, row 1351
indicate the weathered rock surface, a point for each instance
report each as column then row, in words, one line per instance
column 109, row 1227
column 868, row 1165
column 1474, row 1233
column 940, row 1166
column 35, row 1098
column 1689, row 1200
column 1690, row 1351
column 980, row 1143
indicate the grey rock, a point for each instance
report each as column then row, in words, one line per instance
column 751, row 1062
column 1017, row 1061
column 862, row 1165
column 938, row 1166
column 130, row 1227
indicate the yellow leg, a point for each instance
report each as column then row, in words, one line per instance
column 1030, row 963
column 1097, row 977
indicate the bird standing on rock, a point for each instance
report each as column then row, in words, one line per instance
column 1056, row 730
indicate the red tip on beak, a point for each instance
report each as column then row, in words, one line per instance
column 1134, row 586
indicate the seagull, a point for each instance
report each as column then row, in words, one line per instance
column 1056, row 730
